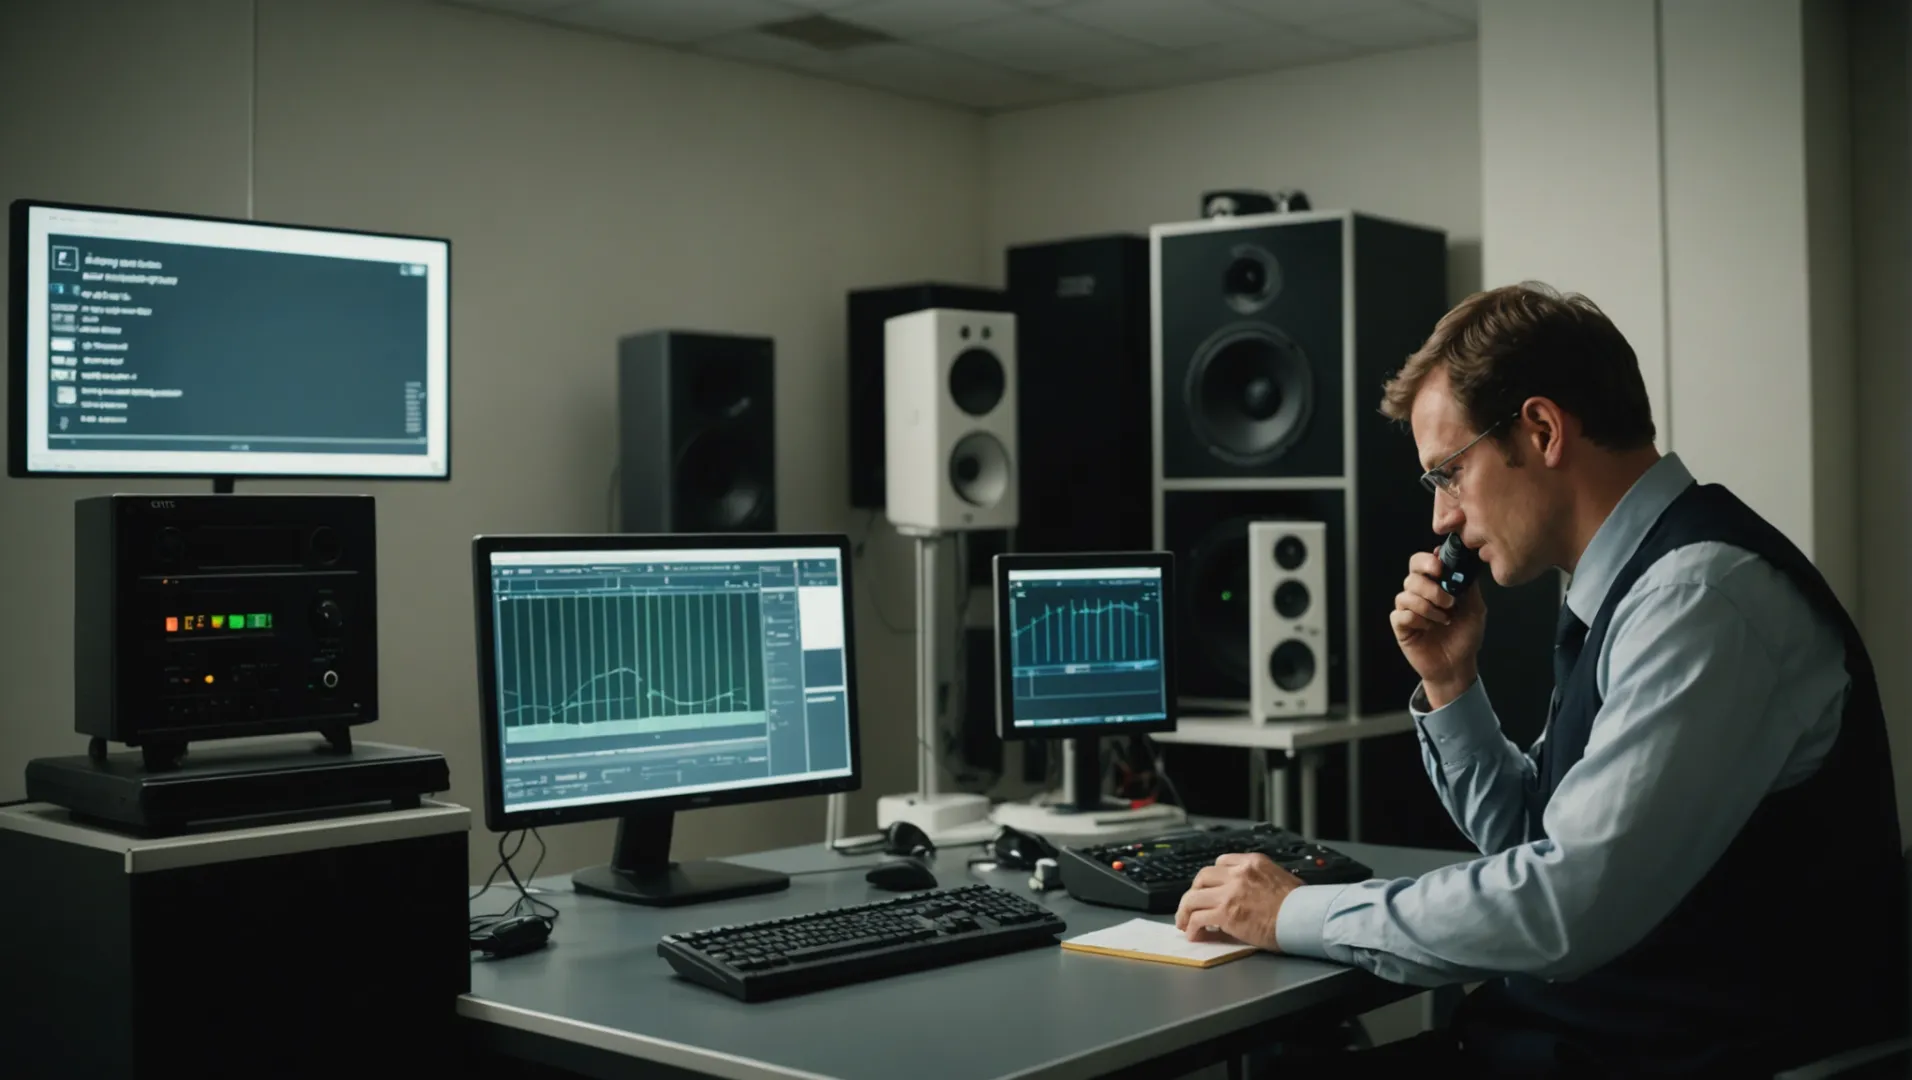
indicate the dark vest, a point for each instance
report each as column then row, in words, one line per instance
column 1792, row 946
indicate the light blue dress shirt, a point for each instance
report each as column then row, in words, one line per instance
column 1719, row 684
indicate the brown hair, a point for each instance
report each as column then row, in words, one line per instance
column 1505, row 345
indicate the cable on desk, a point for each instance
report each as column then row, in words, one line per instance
column 524, row 925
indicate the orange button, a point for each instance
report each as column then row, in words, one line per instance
column 1117, row 865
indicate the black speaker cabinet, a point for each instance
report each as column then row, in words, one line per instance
column 1276, row 333
column 310, row 948
column 1082, row 309
column 697, row 433
column 869, row 309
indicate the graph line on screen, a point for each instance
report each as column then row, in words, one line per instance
column 581, row 665
column 1079, row 633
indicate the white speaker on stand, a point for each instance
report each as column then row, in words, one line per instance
column 949, row 441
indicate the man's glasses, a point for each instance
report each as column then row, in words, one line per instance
column 1441, row 477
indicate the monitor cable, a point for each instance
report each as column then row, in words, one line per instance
column 527, row 923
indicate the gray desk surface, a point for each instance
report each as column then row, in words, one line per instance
column 602, row 989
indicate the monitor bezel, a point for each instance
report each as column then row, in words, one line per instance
column 499, row 819
column 17, row 348
column 1004, row 564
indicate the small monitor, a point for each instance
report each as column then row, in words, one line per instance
column 158, row 344
column 1081, row 648
column 633, row 676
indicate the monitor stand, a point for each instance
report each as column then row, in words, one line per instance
column 641, row 870
column 1084, row 813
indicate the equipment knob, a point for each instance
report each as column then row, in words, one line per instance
column 330, row 680
column 328, row 614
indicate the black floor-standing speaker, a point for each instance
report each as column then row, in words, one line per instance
column 1082, row 380
column 1274, row 336
column 697, row 433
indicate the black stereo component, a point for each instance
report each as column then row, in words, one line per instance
column 219, row 616
column 697, row 433
column 242, row 782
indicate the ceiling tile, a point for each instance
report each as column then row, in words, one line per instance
column 537, row 8
column 757, row 48
column 914, row 18
column 1392, row 30
column 1466, row 10
column 1036, row 43
column 1281, row 49
column 921, row 72
column 1159, row 72
column 674, row 22
column 1180, row 25
column 1309, row 12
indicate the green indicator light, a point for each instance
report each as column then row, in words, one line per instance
column 236, row 622
column 260, row 622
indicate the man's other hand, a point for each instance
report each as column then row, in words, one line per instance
column 1238, row 897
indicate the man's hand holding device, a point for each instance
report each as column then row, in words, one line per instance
column 1439, row 618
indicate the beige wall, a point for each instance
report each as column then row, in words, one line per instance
column 591, row 188
column 1396, row 134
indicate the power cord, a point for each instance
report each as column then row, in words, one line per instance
column 527, row 923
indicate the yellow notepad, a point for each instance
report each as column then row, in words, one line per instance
column 1146, row 939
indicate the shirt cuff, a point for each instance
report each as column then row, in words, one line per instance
column 1302, row 923
column 1459, row 727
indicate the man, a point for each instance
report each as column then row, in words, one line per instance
column 1697, row 867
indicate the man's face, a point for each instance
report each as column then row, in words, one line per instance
column 1494, row 505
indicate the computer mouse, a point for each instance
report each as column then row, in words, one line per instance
column 901, row 876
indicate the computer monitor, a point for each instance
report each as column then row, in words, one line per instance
column 162, row 344
column 633, row 676
column 1082, row 652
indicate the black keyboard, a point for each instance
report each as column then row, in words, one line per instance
column 1151, row 875
column 800, row 953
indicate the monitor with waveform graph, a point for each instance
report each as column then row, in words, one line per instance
column 1081, row 647
column 635, row 676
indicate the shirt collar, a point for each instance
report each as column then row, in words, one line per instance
column 1619, row 536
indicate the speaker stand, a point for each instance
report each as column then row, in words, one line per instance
column 952, row 817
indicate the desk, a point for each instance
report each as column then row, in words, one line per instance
column 1278, row 744
column 602, row 1003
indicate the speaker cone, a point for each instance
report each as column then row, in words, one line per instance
column 1217, row 598
column 1290, row 552
column 1249, row 394
column 718, row 489
column 1291, row 665
column 1252, row 279
column 976, row 381
column 1291, row 599
column 979, row 469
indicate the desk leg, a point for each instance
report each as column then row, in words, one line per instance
column 1310, row 810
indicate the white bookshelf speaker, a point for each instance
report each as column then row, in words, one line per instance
column 949, row 420
column 1288, row 619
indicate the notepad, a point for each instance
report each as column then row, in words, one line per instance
column 1146, row 939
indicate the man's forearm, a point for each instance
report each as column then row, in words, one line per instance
column 1486, row 783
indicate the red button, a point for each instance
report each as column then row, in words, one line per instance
column 1321, row 862
column 1116, row 865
